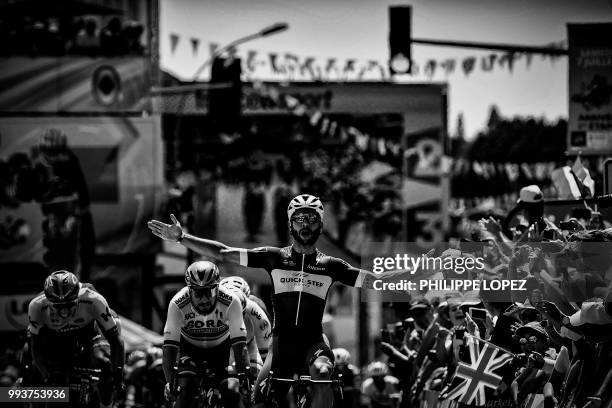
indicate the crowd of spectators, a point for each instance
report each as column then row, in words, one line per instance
column 557, row 332
column 91, row 36
column 338, row 178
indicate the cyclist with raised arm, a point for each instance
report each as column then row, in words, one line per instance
column 66, row 325
column 204, row 323
column 301, row 277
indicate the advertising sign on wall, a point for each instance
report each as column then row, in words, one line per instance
column 590, row 88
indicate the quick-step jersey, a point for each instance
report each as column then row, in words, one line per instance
column 301, row 283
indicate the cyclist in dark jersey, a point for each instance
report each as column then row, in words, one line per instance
column 301, row 277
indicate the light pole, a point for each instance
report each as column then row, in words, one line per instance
column 264, row 32
column 188, row 88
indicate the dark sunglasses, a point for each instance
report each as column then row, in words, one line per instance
column 63, row 306
column 203, row 292
column 530, row 339
column 308, row 218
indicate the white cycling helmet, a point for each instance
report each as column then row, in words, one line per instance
column 202, row 274
column 377, row 369
column 238, row 283
column 235, row 291
column 341, row 356
column 305, row 201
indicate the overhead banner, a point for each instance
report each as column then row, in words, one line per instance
column 422, row 100
column 590, row 88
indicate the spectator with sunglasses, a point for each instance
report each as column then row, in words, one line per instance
column 536, row 362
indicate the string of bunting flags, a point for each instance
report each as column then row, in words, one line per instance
column 392, row 149
column 290, row 66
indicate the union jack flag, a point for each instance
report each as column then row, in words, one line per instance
column 472, row 378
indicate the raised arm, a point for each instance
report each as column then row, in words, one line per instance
column 208, row 247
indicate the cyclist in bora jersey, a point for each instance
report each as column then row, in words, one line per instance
column 65, row 322
column 259, row 330
column 204, row 322
column 301, row 277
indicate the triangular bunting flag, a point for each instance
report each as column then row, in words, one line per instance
column 332, row 128
column 324, row 126
column 512, row 170
column 195, row 43
column 487, row 62
column 250, row 62
column 315, row 117
column 527, row 171
column 273, row 62
column 430, row 68
column 212, row 49
column 382, row 149
column 292, row 63
column 307, row 67
column 528, row 59
column 174, row 39
column 507, row 59
column 383, row 72
column 349, row 66
column 331, row 65
column 468, row 65
column 448, row 65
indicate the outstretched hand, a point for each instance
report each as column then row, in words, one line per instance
column 169, row 232
column 550, row 310
column 491, row 225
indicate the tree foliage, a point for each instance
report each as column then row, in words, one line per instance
column 519, row 140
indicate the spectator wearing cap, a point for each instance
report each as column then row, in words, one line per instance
column 533, row 337
column 590, row 313
column 531, row 203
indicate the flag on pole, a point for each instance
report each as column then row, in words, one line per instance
column 583, row 175
column 473, row 377
column 566, row 184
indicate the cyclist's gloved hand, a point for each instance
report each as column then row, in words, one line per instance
column 167, row 392
column 253, row 373
column 118, row 379
column 244, row 384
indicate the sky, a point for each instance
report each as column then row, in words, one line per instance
column 358, row 29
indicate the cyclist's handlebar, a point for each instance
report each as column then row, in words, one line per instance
column 86, row 371
column 304, row 379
